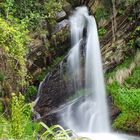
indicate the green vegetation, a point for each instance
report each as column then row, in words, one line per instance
column 13, row 40
column 31, row 91
column 127, row 99
column 20, row 126
column 22, row 22
column 101, row 13
column 102, row 31
column 18, row 21
column 55, row 132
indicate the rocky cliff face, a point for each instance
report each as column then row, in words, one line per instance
column 53, row 43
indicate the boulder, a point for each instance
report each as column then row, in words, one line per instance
column 67, row 7
column 60, row 26
column 61, row 15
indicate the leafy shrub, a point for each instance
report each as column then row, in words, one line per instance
column 128, row 101
column 33, row 12
column 19, row 125
column 102, row 32
column 31, row 91
column 55, row 132
column 13, row 41
column 51, row 8
column 101, row 13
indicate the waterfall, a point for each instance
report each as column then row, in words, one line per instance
column 95, row 79
column 77, row 26
column 90, row 114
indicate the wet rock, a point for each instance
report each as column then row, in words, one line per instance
column 61, row 34
column 114, row 111
column 60, row 15
column 60, row 25
column 67, row 7
column 40, row 56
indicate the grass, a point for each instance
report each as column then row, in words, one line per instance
column 127, row 99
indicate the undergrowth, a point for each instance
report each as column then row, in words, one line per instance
column 127, row 98
column 20, row 125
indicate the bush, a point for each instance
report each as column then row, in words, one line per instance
column 102, row 32
column 101, row 13
column 133, row 81
column 13, row 40
column 128, row 102
column 19, row 125
column 31, row 91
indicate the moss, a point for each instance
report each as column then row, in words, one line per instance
column 30, row 93
column 127, row 122
column 2, row 77
column 101, row 13
column 42, row 75
column 133, row 81
column 102, row 31
column 127, row 98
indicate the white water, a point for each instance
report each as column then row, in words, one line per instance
column 91, row 114
column 77, row 26
column 95, row 80
column 107, row 136
column 88, row 116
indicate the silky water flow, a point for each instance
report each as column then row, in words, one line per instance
column 89, row 117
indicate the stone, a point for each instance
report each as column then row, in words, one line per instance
column 67, row 7
column 60, row 35
column 61, row 15
column 60, row 25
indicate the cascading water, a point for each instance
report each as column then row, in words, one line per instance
column 88, row 116
column 91, row 114
column 95, row 80
column 77, row 26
